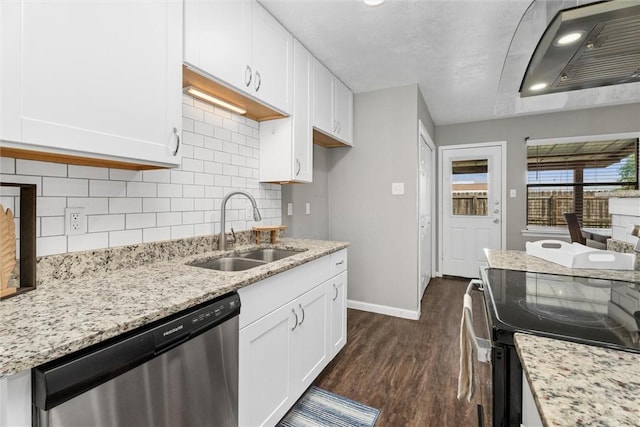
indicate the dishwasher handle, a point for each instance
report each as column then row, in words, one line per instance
column 482, row 346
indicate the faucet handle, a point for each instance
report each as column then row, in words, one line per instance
column 234, row 235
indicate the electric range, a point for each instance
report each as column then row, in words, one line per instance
column 591, row 311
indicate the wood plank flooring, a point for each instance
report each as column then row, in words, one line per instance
column 409, row 369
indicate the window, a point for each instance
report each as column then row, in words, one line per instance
column 469, row 187
column 564, row 177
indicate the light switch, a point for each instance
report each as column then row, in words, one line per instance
column 289, row 209
column 397, row 188
column 512, row 193
column 307, row 208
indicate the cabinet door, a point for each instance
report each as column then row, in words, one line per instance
column 218, row 39
column 264, row 393
column 94, row 77
column 302, row 132
column 343, row 110
column 338, row 292
column 272, row 59
column 322, row 98
column 310, row 350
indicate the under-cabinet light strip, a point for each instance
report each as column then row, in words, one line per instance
column 213, row 100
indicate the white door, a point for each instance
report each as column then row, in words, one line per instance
column 425, row 210
column 472, row 206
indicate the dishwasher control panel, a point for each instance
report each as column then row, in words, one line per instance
column 205, row 317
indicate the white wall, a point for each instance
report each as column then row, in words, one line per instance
column 122, row 207
column 382, row 228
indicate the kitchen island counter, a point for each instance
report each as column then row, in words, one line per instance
column 85, row 298
column 576, row 384
column 519, row 260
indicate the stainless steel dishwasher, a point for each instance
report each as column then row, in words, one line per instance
column 179, row 371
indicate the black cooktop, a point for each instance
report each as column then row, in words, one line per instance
column 592, row 311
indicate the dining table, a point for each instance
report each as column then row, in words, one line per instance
column 596, row 234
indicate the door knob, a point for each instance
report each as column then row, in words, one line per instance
column 496, row 220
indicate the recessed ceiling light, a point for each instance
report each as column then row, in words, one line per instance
column 373, row 2
column 538, row 86
column 569, row 38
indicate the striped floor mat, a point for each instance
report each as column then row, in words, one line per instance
column 320, row 408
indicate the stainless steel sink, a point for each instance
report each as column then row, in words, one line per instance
column 229, row 264
column 247, row 260
column 269, row 254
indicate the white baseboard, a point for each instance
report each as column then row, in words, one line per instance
column 383, row 309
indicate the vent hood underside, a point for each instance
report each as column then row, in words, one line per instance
column 607, row 53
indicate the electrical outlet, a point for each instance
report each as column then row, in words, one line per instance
column 74, row 221
column 289, row 209
column 307, row 208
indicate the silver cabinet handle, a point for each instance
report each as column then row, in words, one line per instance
column 301, row 309
column 340, row 263
column 299, row 167
column 339, row 128
column 175, row 131
column 336, row 289
column 258, row 81
column 295, row 325
column 248, row 74
column 335, row 127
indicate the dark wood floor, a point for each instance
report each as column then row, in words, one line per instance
column 409, row 369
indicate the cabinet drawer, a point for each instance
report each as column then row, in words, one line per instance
column 338, row 262
column 265, row 296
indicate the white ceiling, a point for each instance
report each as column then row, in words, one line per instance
column 454, row 49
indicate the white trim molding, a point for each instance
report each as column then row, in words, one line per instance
column 384, row 309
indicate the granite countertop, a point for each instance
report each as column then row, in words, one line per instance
column 85, row 298
column 519, row 260
column 576, row 384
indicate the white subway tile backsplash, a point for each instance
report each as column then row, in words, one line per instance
column 32, row 167
column 169, row 190
column 192, row 139
column 143, row 220
column 51, row 245
column 192, row 165
column 51, row 206
column 52, row 226
column 168, row 218
column 181, row 204
column 203, row 154
column 213, row 119
column 181, row 177
column 91, row 205
column 98, row 223
column 69, row 187
column 125, row 175
column 182, row 231
column 89, row 172
column 124, row 238
column 141, row 189
column 107, row 188
column 156, row 204
column 203, row 128
column 7, row 165
column 156, row 234
column 125, row 205
column 220, row 154
column 193, row 217
column 157, row 175
column 87, row 242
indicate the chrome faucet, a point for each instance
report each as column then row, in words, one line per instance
column 222, row 240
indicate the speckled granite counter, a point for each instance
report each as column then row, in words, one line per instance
column 519, row 260
column 85, row 298
column 576, row 384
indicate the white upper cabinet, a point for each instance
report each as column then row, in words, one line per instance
column 92, row 79
column 238, row 43
column 286, row 145
column 332, row 105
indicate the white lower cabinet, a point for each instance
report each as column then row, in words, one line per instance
column 287, row 332
column 15, row 400
column 530, row 415
column 338, row 292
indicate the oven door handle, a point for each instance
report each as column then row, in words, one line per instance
column 481, row 345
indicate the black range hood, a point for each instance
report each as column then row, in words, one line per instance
column 606, row 49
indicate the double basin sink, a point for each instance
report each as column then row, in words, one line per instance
column 247, row 260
